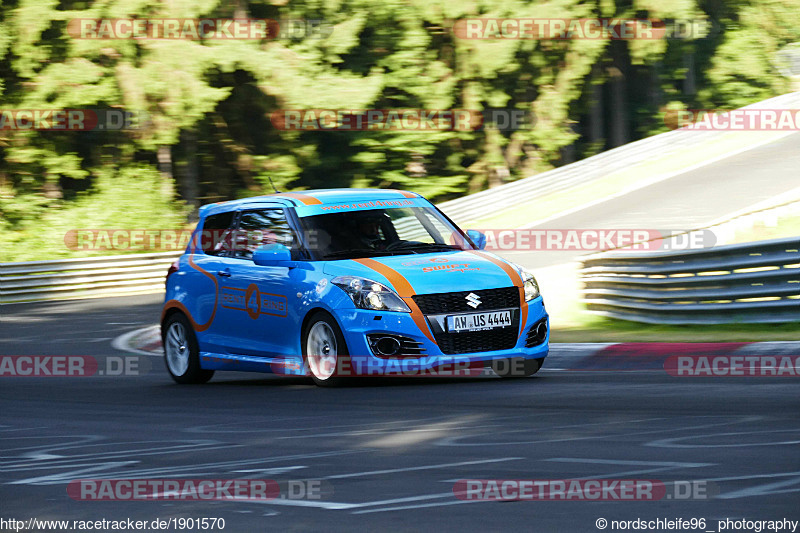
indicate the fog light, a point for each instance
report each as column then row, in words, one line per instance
column 387, row 346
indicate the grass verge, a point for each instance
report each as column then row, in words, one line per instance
column 592, row 328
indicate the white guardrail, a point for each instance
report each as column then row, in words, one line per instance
column 144, row 273
column 84, row 278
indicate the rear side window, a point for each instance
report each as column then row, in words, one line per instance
column 216, row 237
column 260, row 227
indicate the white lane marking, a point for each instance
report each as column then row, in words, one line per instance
column 657, row 466
column 404, row 507
column 763, row 490
column 41, row 456
column 112, row 469
column 426, row 467
column 670, row 443
column 450, row 441
column 76, row 473
column 331, row 506
column 622, row 462
column 264, row 471
column 153, row 450
column 344, row 505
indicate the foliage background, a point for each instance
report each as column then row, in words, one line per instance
column 209, row 137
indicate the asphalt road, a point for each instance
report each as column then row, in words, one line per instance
column 684, row 202
column 386, row 454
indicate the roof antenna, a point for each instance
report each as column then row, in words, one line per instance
column 273, row 185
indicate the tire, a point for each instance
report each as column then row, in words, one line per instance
column 181, row 352
column 325, row 351
column 516, row 367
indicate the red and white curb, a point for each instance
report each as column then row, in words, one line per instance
column 623, row 356
column 143, row 341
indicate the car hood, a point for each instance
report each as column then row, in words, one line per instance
column 431, row 273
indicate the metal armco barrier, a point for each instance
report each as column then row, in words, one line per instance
column 737, row 283
column 83, row 278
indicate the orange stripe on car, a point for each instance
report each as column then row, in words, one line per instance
column 404, row 290
column 516, row 280
column 307, row 199
column 405, row 193
column 175, row 304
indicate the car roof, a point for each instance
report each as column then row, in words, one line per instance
column 309, row 197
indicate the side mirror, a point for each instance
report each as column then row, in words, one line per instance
column 477, row 237
column 273, row 255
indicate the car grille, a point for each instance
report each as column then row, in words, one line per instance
column 479, row 341
column 473, row 341
column 455, row 302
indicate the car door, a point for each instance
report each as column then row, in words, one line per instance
column 259, row 296
column 213, row 246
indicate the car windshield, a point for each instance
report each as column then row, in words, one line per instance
column 380, row 232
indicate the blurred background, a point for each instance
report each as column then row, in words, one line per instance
column 202, row 107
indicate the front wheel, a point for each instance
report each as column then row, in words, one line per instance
column 324, row 350
column 181, row 352
column 516, row 367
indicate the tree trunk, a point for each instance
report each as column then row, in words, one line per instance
column 689, row 82
column 189, row 177
column 619, row 93
column 596, row 126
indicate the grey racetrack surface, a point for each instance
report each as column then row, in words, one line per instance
column 388, row 452
column 688, row 201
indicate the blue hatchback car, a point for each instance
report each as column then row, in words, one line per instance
column 346, row 282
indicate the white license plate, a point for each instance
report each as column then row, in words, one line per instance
column 479, row 321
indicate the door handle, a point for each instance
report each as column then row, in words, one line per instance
column 224, row 273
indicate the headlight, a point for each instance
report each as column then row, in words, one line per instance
column 528, row 283
column 369, row 294
column 530, row 286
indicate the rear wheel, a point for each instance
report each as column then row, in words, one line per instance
column 324, row 350
column 181, row 352
column 516, row 367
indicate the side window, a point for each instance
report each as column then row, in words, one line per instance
column 216, row 237
column 260, row 227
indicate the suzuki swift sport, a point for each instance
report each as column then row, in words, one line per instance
column 346, row 282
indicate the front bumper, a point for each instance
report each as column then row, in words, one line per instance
column 356, row 324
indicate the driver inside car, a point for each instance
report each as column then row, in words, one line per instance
column 369, row 232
